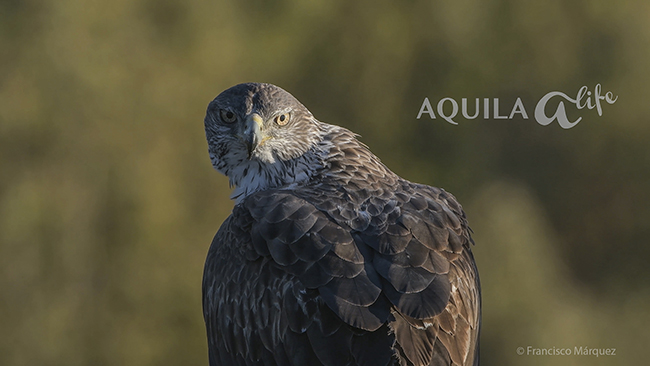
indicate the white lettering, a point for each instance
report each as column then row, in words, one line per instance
column 584, row 98
column 454, row 110
column 518, row 108
column 426, row 108
column 486, row 108
column 464, row 108
column 560, row 112
column 496, row 110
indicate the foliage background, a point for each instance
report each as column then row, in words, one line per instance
column 108, row 202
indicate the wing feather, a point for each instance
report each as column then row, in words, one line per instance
column 305, row 278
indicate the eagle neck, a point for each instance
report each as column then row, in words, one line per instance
column 349, row 161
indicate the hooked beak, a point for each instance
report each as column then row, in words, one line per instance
column 253, row 136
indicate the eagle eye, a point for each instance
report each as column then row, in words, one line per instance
column 227, row 116
column 282, row 119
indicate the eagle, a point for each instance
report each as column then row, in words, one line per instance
column 329, row 258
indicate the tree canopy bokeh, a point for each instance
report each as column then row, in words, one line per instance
column 108, row 202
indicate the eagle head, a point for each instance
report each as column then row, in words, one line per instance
column 260, row 136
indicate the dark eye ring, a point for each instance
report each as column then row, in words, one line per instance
column 282, row 119
column 227, row 116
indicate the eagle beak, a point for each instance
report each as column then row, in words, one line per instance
column 253, row 132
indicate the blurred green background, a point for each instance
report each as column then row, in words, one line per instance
column 108, row 202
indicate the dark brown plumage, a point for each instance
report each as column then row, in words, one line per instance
column 329, row 258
